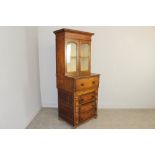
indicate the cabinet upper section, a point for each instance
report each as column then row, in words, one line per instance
column 73, row 52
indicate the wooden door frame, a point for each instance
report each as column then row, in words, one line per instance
column 77, row 55
column 89, row 61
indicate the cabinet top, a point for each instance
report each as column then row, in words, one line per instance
column 73, row 31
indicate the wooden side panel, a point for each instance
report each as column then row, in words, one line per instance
column 65, row 106
column 65, row 83
column 60, row 55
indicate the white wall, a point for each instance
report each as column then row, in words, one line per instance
column 19, row 76
column 124, row 56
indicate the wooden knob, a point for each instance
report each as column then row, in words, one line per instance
column 93, row 82
column 82, row 84
column 92, row 96
column 82, row 100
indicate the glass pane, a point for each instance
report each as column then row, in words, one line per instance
column 84, row 57
column 71, row 57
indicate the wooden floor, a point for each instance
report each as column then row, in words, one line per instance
column 47, row 118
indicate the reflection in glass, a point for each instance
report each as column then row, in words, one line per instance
column 84, row 57
column 71, row 57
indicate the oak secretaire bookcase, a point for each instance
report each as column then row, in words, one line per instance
column 77, row 86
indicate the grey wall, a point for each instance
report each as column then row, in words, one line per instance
column 19, row 76
column 124, row 56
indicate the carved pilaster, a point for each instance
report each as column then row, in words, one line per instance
column 76, row 110
column 96, row 94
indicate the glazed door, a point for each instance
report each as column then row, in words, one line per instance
column 85, row 54
column 71, row 57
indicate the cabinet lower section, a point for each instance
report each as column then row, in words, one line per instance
column 78, row 106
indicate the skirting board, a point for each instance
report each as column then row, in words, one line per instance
column 49, row 105
column 126, row 106
column 109, row 106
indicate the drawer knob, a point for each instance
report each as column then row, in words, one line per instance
column 82, row 100
column 82, row 84
column 93, row 82
column 93, row 96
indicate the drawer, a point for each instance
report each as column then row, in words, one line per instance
column 87, row 107
column 86, row 115
column 87, row 97
column 87, row 83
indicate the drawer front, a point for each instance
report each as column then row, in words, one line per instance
column 87, row 115
column 87, row 97
column 87, row 83
column 87, row 107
